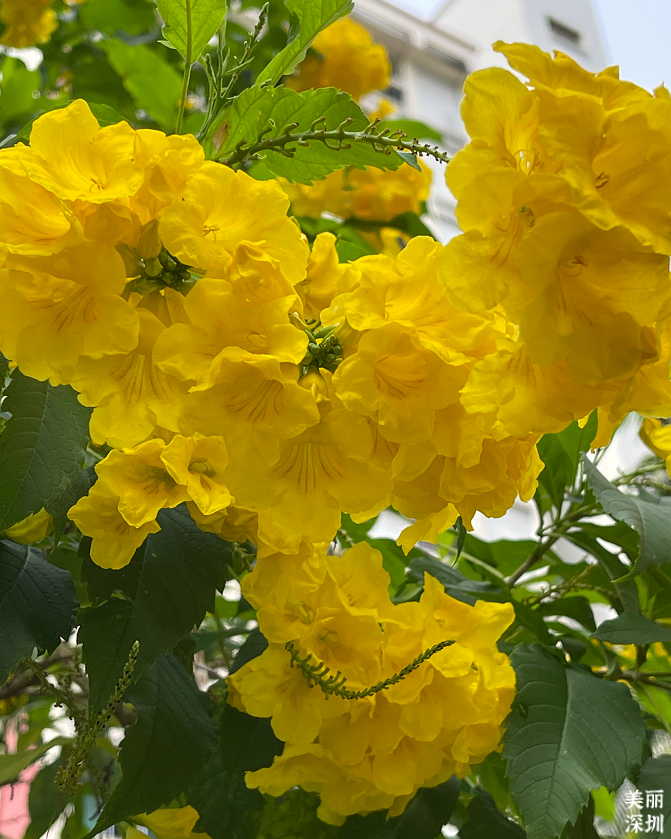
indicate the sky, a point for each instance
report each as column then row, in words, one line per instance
column 636, row 36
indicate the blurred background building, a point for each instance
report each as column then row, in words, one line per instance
column 433, row 52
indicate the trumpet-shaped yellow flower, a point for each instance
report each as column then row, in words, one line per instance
column 64, row 309
column 318, row 474
column 344, row 56
column 130, row 394
column 141, row 481
column 114, row 541
column 76, row 159
column 224, row 326
column 324, row 273
column 222, row 208
column 392, row 377
column 656, row 434
column 173, row 823
column 199, row 464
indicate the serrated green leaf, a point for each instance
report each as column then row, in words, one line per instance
column 228, row 809
column 309, row 18
column 37, row 604
column 11, row 766
column 164, row 750
column 42, row 446
column 584, row 825
column 630, row 628
column 170, row 584
column 651, row 521
column 656, row 775
column 255, row 644
column 486, row 821
column 257, row 109
column 206, row 18
column 154, row 84
column 569, row 732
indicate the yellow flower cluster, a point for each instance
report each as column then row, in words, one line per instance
column 370, row 195
column 268, row 386
column 28, row 22
column 366, row 754
column 344, row 56
column 563, row 200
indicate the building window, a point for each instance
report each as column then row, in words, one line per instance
column 394, row 94
column 564, row 33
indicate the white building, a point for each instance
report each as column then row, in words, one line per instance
column 431, row 56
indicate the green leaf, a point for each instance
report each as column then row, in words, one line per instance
column 68, row 498
column 429, row 810
column 111, row 16
column 584, row 824
column 630, row 628
column 170, row 582
column 569, row 732
column 255, row 644
column 45, row 801
column 42, row 446
column 256, row 109
column 651, row 521
column 154, row 84
column 485, row 820
column 206, row 18
column 561, row 455
column 575, row 607
column 311, row 16
column 37, row 604
column 627, row 591
column 11, row 766
column 17, row 90
column 656, row 775
column 410, row 159
column 453, row 581
column 228, row 809
column 164, row 750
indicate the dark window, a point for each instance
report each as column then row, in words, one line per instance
column 395, row 94
column 564, row 33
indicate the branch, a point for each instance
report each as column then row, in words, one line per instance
column 26, row 678
column 338, row 138
column 188, row 62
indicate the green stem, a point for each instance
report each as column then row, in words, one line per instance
column 188, row 62
column 338, row 138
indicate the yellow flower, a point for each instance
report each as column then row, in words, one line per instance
column 656, row 434
column 370, row 194
column 76, row 159
column 172, row 823
column 60, row 310
column 198, row 463
column 323, row 276
column 590, row 291
column 318, row 474
column 563, row 76
column 114, row 540
column 224, row 326
column 391, row 376
column 141, row 481
column 344, row 56
column 130, row 394
column 33, row 221
column 222, row 208
column 27, row 22
column 31, row 529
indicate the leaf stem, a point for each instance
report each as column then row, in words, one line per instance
column 338, row 138
column 188, row 62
